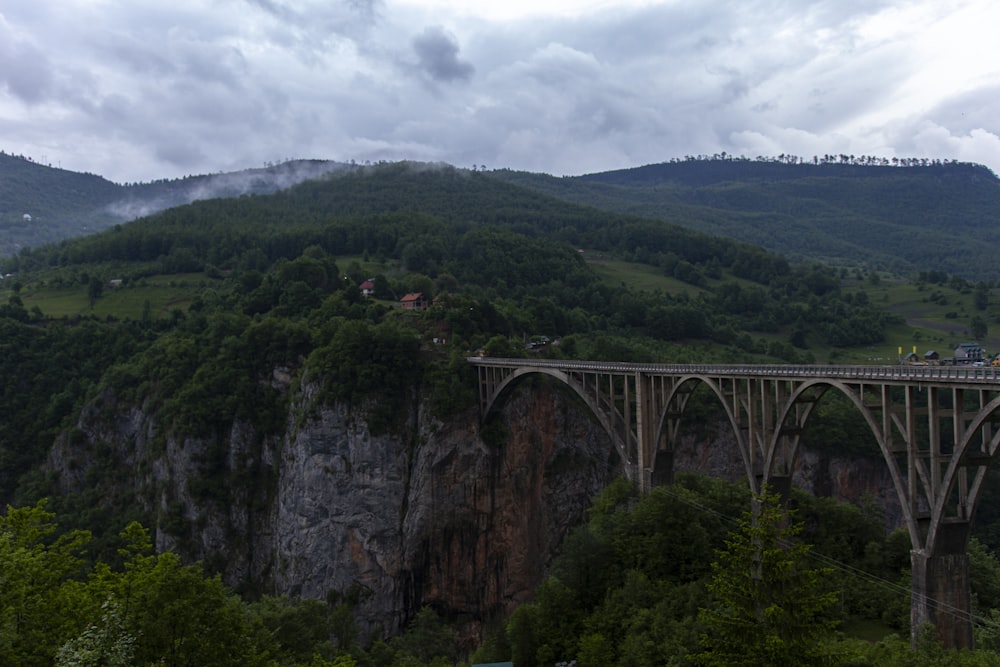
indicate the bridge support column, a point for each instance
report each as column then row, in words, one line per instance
column 780, row 484
column 645, row 430
column 940, row 590
column 663, row 468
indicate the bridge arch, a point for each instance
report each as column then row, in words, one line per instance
column 675, row 401
column 789, row 419
column 924, row 493
column 776, row 450
column 978, row 432
column 504, row 387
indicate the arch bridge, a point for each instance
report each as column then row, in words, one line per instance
column 934, row 427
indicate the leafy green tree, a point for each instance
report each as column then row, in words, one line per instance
column 40, row 604
column 379, row 364
column 494, row 648
column 416, row 282
column 627, row 621
column 501, row 346
column 177, row 615
column 300, row 628
column 451, row 385
column 545, row 632
column 106, row 643
column 978, row 327
column 981, row 297
column 95, row 287
column 667, row 536
column 896, row 651
column 339, row 661
column 14, row 309
column 185, row 618
column 522, row 635
column 426, row 639
column 595, row 650
column 769, row 606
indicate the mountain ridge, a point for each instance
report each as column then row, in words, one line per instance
column 867, row 213
column 901, row 219
column 42, row 204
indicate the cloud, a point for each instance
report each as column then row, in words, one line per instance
column 26, row 72
column 437, row 55
column 158, row 90
column 970, row 110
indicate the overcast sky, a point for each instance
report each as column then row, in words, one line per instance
column 136, row 90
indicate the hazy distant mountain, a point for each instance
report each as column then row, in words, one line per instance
column 871, row 213
column 41, row 204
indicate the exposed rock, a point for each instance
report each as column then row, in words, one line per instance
column 444, row 520
column 429, row 513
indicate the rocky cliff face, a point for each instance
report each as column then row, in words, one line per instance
column 438, row 517
column 430, row 514
column 427, row 515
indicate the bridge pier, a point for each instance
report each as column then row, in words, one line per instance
column 779, row 484
column 940, row 588
column 663, row 468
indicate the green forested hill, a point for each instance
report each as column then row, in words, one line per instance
column 904, row 219
column 492, row 239
column 900, row 216
column 65, row 204
column 419, row 214
column 60, row 203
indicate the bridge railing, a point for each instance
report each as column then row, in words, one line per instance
column 942, row 374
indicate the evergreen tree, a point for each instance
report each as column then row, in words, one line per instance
column 768, row 604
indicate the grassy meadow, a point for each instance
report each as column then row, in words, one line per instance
column 936, row 316
column 155, row 297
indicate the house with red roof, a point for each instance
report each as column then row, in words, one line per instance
column 414, row 301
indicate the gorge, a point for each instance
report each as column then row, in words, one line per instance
column 458, row 517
